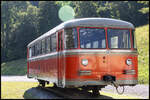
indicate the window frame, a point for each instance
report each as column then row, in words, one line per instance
column 131, row 45
column 36, row 50
column 65, row 48
column 134, row 43
column 30, row 52
column 47, row 49
column 51, row 45
column 79, row 44
column 33, row 51
column 43, row 46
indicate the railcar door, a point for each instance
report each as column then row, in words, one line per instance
column 61, row 66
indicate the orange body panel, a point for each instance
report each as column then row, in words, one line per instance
column 44, row 68
column 100, row 65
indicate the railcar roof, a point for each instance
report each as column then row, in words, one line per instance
column 88, row 22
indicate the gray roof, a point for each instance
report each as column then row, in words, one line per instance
column 87, row 22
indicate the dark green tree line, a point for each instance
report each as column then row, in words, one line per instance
column 24, row 21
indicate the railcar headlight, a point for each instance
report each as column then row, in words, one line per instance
column 84, row 62
column 129, row 61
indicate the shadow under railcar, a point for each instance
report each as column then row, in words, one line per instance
column 60, row 93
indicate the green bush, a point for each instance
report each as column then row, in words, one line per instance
column 15, row 67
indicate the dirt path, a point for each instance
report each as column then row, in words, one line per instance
column 139, row 90
column 17, row 78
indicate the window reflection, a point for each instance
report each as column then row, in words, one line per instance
column 92, row 38
column 118, row 38
column 134, row 39
column 53, row 42
column 71, row 38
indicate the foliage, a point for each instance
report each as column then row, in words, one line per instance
column 24, row 21
column 48, row 16
column 16, row 67
column 142, row 37
column 18, row 29
column 145, row 9
column 124, row 10
column 15, row 90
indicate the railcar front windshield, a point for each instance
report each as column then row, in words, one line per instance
column 118, row 39
column 95, row 38
column 92, row 38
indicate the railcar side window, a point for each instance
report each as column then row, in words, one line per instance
column 48, row 45
column 53, row 43
column 38, row 48
column 33, row 50
column 71, row 38
column 134, row 39
column 40, row 44
column 92, row 38
column 118, row 38
column 43, row 46
column 30, row 52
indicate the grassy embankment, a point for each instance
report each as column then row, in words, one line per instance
column 142, row 37
column 15, row 90
column 19, row 67
column 15, row 67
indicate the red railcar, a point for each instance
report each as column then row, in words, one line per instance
column 86, row 52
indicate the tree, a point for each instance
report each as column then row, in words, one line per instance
column 144, row 9
column 17, row 19
column 22, row 22
column 48, row 16
column 84, row 9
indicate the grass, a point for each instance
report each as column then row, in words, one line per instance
column 142, row 37
column 15, row 67
column 15, row 90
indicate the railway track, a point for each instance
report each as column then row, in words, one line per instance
column 73, row 93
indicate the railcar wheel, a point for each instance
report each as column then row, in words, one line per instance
column 96, row 91
column 41, row 82
column 54, row 85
